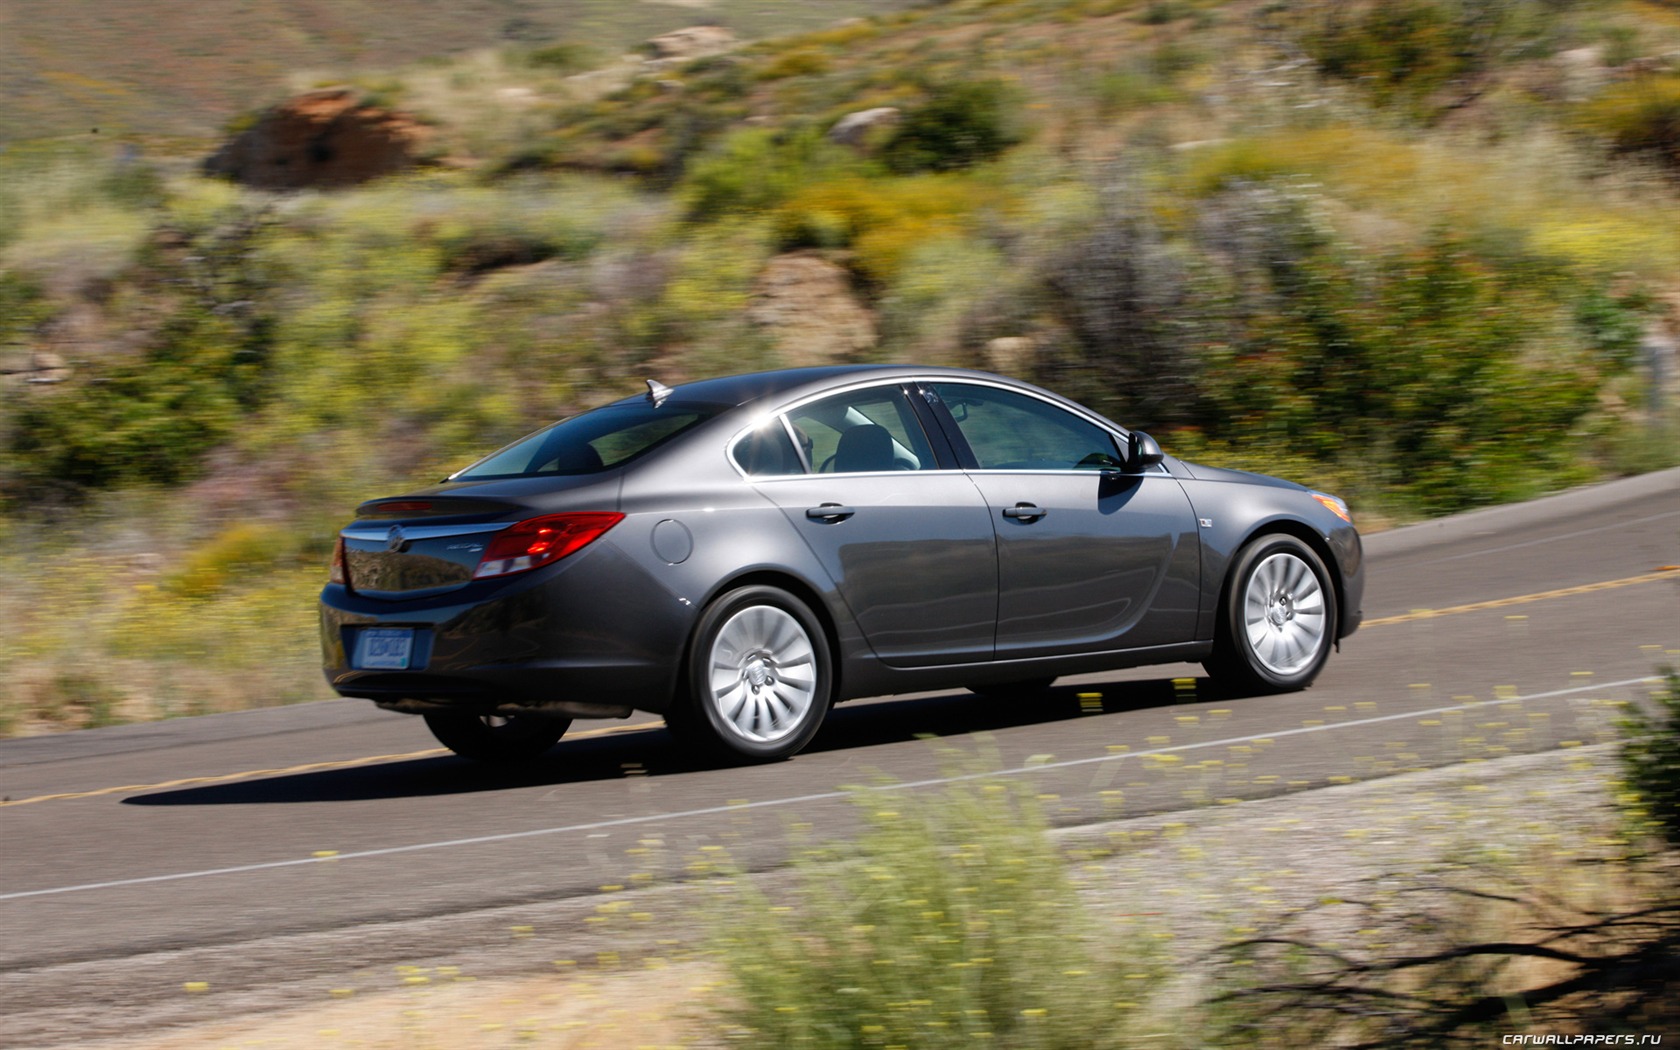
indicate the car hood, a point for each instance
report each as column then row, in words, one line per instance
column 1242, row 477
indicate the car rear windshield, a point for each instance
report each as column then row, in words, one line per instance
column 595, row 441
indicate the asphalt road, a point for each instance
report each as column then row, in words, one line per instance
column 130, row 856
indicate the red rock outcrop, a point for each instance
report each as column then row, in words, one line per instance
column 320, row 140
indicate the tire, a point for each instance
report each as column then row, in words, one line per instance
column 1277, row 619
column 1010, row 690
column 760, row 677
column 496, row 738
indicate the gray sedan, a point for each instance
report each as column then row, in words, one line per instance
column 739, row 554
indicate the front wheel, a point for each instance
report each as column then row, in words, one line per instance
column 496, row 738
column 760, row 676
column 1278, row 620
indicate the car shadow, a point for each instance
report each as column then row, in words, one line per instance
column 653, row 752
column 961, row 713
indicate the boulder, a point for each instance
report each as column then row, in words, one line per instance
column 692, row 42
column 807, row 305
column 47, row 367
column 863, row 128
column 1011, row 355
column 321, row 140
column 1578, row 74
column 39, row 367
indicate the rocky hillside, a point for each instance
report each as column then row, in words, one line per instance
column 1422, row 252
column 164, row 68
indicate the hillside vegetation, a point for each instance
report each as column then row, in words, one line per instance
column 1412, row 251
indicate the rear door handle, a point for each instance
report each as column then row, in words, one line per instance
column 1026, row 512
column 829, row 512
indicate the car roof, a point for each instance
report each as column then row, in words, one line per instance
column 755, row 386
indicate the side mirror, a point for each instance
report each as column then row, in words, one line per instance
column 1141, row 452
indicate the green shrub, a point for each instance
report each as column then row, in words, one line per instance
column 756, row 169
column 1640, row 446
column 148, row 417
column 950, row 923
column 881, row 220
column 86, row 700
column 799, row 62
column 1650, row 759
column 718, row 78
column 1124, row 296
column 941, row 280
column 1464, row 380
column 645, row 130
column 133, row 183
column 1641, row 116
column 509, row 228
column 1622, row 44
column 1121, row 90
column 21, row 306
column 242, row 552
column 1242, row 160
column 959, row 125
column 1403, row 51
column 144, row 422
column 1400, row 47
column 1172, row 59
column 1162, row 12
column 566, row 57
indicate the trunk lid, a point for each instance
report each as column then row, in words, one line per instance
column 417, row 546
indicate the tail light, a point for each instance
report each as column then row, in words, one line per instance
column 338, row 573
column 536, row 542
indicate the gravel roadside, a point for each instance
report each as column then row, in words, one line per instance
column 583, row 974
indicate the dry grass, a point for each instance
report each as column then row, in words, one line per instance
column 420, row 1008
column 1538, row 187
column 164, row 69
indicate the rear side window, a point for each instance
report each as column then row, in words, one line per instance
column 862, row 431
column 768, row 451
column 595, row 441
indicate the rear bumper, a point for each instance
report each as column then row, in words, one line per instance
column 593, row 634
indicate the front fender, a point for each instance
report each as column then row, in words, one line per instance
column 1233, row 513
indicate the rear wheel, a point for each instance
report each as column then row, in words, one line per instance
column 1278, row 620
column 496, row 738
column 760, row 676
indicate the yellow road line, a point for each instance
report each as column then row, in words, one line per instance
column 1665, row 573
column 309, row 767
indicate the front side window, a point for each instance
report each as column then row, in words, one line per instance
column 862, row 431
column 1011, row 431
column 594, row 441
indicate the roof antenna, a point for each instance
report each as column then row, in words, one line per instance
column 657, row 392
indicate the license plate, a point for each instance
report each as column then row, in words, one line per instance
column 384, row 648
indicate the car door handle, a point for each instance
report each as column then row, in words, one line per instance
column 1026, row 512
column 829, row 512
